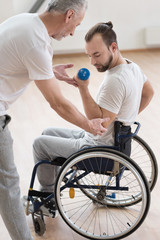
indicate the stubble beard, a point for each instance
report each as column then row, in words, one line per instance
column 106, row 66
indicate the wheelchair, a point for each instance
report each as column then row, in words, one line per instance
column 101, row 192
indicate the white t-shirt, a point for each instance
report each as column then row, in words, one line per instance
column 120, row 93
column 25, row 55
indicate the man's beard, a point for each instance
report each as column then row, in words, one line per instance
column 103, row 68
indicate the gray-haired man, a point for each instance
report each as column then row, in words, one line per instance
column 26, row 56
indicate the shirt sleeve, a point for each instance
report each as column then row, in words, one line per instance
column 38, row 62
column 111, row 95
column 144, row 77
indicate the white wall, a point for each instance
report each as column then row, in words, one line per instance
column 9, row 8
column 6, row 9
column 129, row 18
column 22, row 5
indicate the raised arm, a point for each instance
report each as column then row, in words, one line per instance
column 147, row 94
column 51, row 91
column 92, row 109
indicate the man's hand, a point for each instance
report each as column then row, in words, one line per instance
column 96, row 126
column 60, row 73
column 81, row 83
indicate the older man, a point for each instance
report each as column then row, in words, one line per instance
column 26, row 56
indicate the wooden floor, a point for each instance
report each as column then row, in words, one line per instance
column 31, row 114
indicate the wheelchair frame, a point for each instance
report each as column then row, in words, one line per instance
column 78, row 178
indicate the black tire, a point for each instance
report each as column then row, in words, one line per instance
column 84, row 207
column 143, row 155
column 39, row 226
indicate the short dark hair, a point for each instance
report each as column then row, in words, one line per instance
column 105, row 30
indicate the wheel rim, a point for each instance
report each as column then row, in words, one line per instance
column 142, row 154
column 98, row 220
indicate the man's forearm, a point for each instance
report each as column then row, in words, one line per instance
column 147, row 95
column 71, row 114
column 144, row 103
column 66, row 109
column 91, row 108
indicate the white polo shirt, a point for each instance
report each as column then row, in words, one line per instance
column 25, row 55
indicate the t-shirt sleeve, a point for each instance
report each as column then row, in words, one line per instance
column 111, row 95
column 38, row 62
column 144, row 77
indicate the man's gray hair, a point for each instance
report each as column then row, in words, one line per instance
column 63, row 6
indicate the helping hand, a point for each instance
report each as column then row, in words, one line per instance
column 60, row 73
column 96, row 126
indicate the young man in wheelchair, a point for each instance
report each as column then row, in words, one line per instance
column 124, row 92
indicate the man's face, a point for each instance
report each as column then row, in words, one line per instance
column 71, row 22
column 101, row 57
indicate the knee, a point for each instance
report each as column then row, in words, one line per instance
column 37, row 145
column 40, row 148
column 46, row 131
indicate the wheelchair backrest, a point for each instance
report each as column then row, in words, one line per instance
column 123, row 136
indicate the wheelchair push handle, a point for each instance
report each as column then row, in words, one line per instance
column 132, row 134
column 137, row 128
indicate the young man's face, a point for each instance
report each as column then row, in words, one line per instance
column 101, row 57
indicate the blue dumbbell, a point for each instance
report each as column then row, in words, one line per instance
column 83, row 74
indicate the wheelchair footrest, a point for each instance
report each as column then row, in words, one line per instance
column 71, row 185
column 34, row 193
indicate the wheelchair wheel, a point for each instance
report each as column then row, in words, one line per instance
column 39, row 225
column 94, row 192
column 143, row 155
